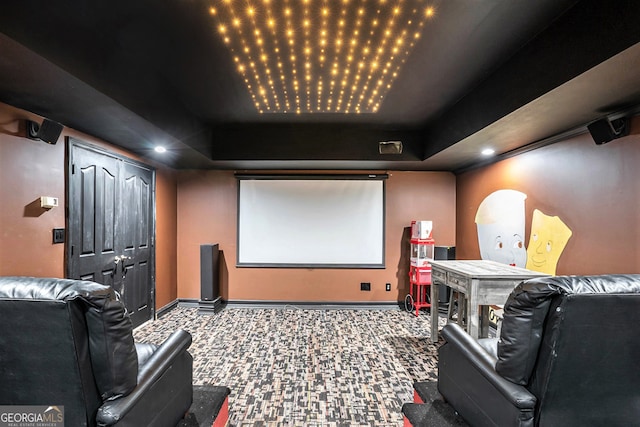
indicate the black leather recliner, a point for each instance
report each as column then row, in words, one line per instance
column 568, row 355
column 69, row 343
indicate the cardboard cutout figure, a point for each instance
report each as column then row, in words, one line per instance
column 549, row 236
column 500, row 222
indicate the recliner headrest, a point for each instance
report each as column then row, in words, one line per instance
column 112, row 350
column 526, row 310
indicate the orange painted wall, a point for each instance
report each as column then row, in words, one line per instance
column 594, row 189
column 207, row 211
column 30, row 169
column 195, row 207
column 166, row 236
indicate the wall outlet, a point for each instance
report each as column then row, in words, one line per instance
column 365, row 286
column 388, row 287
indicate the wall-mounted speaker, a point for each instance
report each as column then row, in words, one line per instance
column 603, row 130
column 49, row 131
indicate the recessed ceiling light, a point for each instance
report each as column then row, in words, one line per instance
column 160, row 149
column 488, row 151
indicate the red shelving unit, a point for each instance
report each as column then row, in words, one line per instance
column 420, row 282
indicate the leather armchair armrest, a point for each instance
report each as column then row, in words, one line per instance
column 172, row 354
column 144, row 352
column 484, row 363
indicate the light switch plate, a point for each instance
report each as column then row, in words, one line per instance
column 58, row 235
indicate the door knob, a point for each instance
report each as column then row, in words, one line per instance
column 119, row 258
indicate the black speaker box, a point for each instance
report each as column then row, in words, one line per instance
column 444, row 253
column 603, row 131
column 49, row 131
column 209, row 272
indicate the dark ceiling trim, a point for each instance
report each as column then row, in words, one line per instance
column 571, row 133
column 135, row 75
column 31, row 82
column 585, row 36
column 521, row 150
column 300, row 141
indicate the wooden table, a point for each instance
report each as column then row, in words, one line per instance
column 482, row 283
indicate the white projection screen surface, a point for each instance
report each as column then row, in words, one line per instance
column 320, row 223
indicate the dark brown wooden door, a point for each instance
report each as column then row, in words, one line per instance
column 111, row 225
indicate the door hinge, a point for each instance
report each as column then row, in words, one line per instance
column 72, row 250
column 73, row 169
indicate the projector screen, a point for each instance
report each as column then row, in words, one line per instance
column 330, row 222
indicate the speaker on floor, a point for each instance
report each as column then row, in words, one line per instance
column 209, row 276
column 49, row 131
column 210, row 299
column 603, row 130
column 444, row 253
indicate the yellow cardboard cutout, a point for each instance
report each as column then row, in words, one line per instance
column 549, row 236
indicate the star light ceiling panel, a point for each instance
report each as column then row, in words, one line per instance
column 319, row 56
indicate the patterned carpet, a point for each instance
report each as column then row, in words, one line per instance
column 307, row 367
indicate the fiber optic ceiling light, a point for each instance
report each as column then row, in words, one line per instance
column 319, row 56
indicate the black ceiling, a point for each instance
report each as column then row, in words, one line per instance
column 501, row 73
